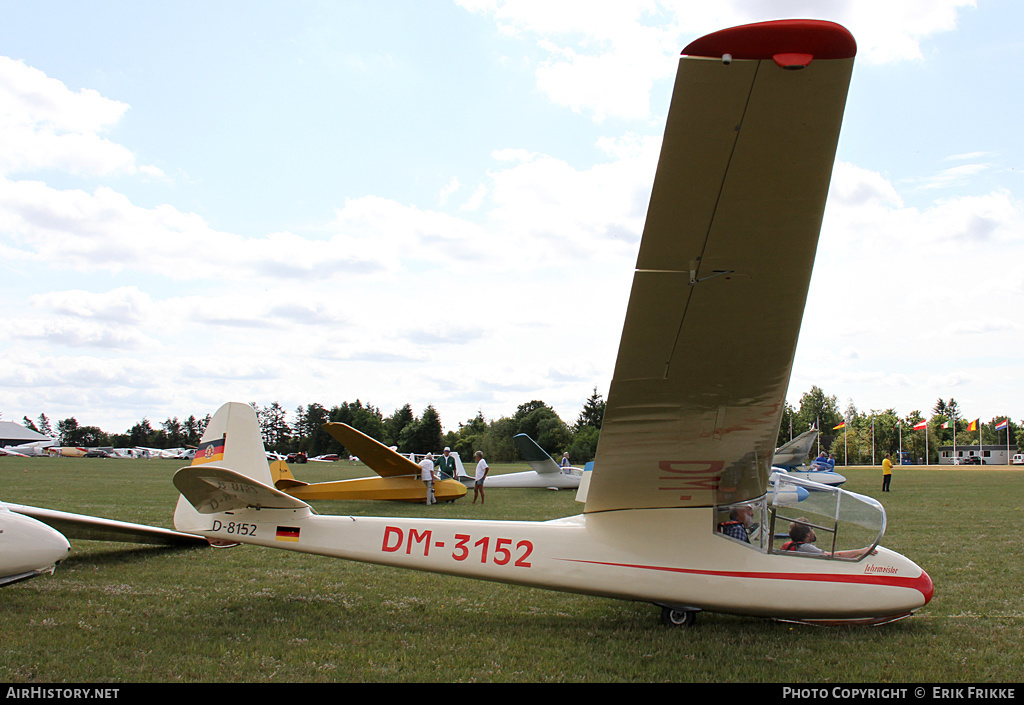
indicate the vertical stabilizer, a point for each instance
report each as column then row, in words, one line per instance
column 232, row 440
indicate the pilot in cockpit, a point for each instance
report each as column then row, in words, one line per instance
column 741, row 519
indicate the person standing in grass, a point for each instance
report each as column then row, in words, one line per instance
column 481, row 474
column 446, row 465
column 427, row 475
column 886, row 473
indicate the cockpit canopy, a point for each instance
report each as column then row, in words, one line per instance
column 805, row 518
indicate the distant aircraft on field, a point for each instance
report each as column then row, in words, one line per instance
column 546, row 472
column 695, row 403
column 792, row 458
column 35, row 449
column 399, row 476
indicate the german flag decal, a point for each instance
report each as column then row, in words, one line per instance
column 287, row 533
column 209, row 452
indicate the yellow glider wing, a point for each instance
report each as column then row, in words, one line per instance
column 377, row 456
column 718, row 295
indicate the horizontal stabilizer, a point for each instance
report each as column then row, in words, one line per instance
column 535, row 456
column 89, row 528
column 375, row 455
column 212, row 489
column 283, row 478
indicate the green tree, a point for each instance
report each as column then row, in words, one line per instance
column 423, row 435
column 541, row 423
column 592, row 413
column 394, row 424
column 141, row 434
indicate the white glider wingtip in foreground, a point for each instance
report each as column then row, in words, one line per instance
column 680, row 510
column 33, row 540
column 28, row 548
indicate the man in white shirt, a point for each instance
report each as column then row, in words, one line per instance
column 481, row 474
column 427, row 475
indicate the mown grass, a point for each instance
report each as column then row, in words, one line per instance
column 119, row 613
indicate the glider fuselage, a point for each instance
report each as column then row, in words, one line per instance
column 668, row 557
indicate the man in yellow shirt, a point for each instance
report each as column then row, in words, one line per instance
column 886, row 473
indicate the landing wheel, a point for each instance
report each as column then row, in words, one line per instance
column 678, row 618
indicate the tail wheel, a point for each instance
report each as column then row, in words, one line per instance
column 678, row 618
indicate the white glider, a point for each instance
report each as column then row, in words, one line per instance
column 546, row 473
column 695, row 404
column 791, row 458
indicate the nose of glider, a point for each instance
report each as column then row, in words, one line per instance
column 926, row 587
column 31, row 545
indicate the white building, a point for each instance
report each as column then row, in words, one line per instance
column 990, row 455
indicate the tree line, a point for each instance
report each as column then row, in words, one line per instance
column 854, row 437
column 403, row 429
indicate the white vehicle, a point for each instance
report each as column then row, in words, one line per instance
column 696, row 400
column 1018, row 459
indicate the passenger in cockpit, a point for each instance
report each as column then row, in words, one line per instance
column 802, row 538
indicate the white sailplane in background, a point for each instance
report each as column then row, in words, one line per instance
column 35, row 449
column 696, row 400
column 546, row 473
column 792, row 458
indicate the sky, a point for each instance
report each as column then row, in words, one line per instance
column 441, row 203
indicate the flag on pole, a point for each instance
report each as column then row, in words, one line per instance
column 973, row 426
column 841, row 424
column 1002, row 424
column 945, row 425
column 920, row 425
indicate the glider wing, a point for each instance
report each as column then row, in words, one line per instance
column 697, row 395
column 377, row 456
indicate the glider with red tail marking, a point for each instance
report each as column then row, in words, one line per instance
column 679, row 509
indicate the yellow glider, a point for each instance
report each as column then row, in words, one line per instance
column 399, row 477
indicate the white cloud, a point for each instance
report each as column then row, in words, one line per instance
column 604, row 57
column 44, row 125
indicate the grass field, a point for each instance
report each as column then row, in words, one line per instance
column 119, row 613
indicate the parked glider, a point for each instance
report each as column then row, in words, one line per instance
column 695, row 404
column 792, row 458
column 399, row 477
column 33, row 540
column 546, row 472
column 35, row 449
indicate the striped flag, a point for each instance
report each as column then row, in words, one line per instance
column 209, row 452
column 1002, row 424
column 945, row 425
column 842, row 424
column 287, row 533
column 973, row 425
column 921, row 425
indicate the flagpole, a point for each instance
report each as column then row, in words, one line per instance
column 872, row 440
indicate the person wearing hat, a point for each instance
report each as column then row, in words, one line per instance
column 446, row 465
column 427, row 475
